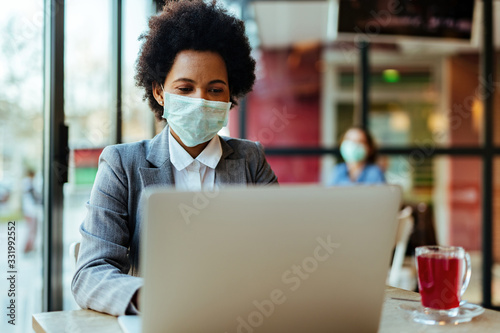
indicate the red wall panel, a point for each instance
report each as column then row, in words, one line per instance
column 283, row 110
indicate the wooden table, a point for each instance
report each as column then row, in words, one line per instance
column 393, row 319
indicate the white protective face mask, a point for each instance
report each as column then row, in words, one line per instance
column 353, row 152
column 195, row 120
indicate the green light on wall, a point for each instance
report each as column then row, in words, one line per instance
column 390, row 75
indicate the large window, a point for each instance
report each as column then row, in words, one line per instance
column 89, row 112
column 90, row 105
column 21, row 133
column 138, row 120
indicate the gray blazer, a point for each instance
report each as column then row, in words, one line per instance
column 107, row 275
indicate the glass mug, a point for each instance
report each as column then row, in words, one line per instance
column 443, row 276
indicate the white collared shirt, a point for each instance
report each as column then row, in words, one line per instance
column 194, row 174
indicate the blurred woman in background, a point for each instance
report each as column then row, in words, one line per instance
column 359, row 154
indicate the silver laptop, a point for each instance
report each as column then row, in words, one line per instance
column 279, row 259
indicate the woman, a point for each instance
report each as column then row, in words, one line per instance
column 359, row 154
column 31, row 205
column 194, row 64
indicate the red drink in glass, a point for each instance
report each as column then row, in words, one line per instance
column 440, row 281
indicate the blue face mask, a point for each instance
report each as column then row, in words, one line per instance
column 195, row 120
column 352, row 152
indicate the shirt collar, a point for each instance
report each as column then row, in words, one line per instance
column 180, row 158
column 210, row 156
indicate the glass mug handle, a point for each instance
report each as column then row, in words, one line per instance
column 467, row 274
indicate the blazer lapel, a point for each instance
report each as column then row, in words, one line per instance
column 229, row 170
column 157, row 176
column 159, row 156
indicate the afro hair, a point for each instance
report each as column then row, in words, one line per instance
column 199, row 26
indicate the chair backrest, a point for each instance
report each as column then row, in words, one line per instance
column 405, row 227
column 74, row 248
